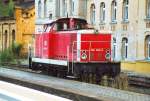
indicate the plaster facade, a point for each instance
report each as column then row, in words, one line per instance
column 50, row 10
column 25, row 25
column 133, row 28
column 7, row 32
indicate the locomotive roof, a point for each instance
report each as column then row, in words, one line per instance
column 71, row 18
column 63, row 19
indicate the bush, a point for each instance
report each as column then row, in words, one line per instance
column 6, row 56
column 10, row 54
column 16, row 49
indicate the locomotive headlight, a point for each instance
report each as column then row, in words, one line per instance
column 84, row 56
column 107, row 56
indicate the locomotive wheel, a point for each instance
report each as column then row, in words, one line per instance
column 34, row 66
column 104, row 81
column 112, row 82
column 50, row 71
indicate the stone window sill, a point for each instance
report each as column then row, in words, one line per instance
column 113, row 22
column 147, row 19
column 125, row 21
column 102, row 23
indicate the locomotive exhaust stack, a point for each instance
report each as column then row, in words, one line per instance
column 69, row 46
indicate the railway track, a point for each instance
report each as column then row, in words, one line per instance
column 125, row 81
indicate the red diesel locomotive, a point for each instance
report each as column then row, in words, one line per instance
column 68, row 46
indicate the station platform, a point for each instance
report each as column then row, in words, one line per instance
column 74, row 90
column 12, row 92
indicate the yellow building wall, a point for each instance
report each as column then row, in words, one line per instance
column 138, row 66
column 25, row 26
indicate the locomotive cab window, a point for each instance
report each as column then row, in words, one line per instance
column 47, row 27
column 70, row 24
column 61, row 26
column 80, row 24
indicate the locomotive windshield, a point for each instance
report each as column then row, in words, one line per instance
column 47, row 27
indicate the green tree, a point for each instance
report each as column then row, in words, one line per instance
column 11, row 8
column 7, row 10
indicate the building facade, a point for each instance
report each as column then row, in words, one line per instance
column 17, row 23
column 7, row 32
column 127, row 20
column 25, row 24
column 7, row 25
column 50, row 10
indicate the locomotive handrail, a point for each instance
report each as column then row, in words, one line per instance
column 90, row 41
column 72, row 58
column 68, row 58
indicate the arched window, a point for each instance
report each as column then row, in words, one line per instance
column 5, row 39
column 65, row 11
column 113, row 10
column 124, row 49
column 39, row 9
column 148, row 8
column 147, row 47
column 125, row 10
column 114, row 48
column 45, row 8
column 72, row 7
column 13, row 36
column 64, row 8
column 92, row 13
column 50, row 16
column 57, row 9
column 102, row 12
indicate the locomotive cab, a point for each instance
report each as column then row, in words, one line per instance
column 68, row 24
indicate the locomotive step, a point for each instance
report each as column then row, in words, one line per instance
column 71, row 77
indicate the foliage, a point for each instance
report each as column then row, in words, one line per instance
column 16, row 49
column 6, row 56
column 10, row 8
column 11, row 53
column 6, row 10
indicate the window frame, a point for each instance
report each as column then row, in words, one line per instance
column 125, row 10
column 45, row 8
column 102, row 12
column 114, row 48
column 148, row 9
column 39, row 9
column 147, row 46
column 124, row 49
column 113, row 11
column 92, row 15
column 13, row 36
